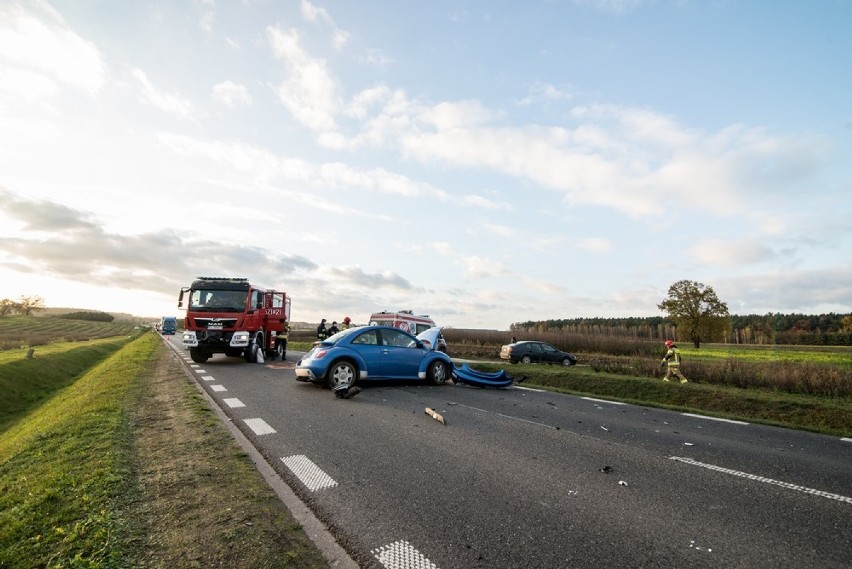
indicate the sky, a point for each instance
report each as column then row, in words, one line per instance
column 485, row 162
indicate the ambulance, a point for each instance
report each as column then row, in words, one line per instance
column 409, row 322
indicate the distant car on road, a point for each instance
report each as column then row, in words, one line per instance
column 375, row 352
column 531, row 351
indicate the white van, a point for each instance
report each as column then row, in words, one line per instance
column 409, row 322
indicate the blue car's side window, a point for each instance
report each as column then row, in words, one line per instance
column 366, row 339
column 397, row 339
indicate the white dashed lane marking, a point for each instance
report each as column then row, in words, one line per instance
column 259, row 426
column 218, row 388
column 308, row 473
column 757, row 478
column 401, row 555
column 207, row 378
column 233, row 403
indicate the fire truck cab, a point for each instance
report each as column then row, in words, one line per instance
column 233, row 317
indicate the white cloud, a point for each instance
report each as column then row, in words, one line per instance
column 476, row 267
column 231, row 94
column 596, row 245
column 313, row 13
column 45, row 44
column 309, row 91
column 173, row 104
column 734, row 253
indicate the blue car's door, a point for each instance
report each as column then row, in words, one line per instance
column 367, row 345
column 400, row 355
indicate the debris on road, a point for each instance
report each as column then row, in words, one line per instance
column 435, row 415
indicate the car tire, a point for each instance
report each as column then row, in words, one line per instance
column 526, row 359
column 279, row 351
column 438, row 373
column 566, row 361
column 342, row 372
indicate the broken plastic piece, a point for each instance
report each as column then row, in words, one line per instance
column 437, row 416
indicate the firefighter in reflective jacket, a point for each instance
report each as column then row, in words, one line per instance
column 672, row 359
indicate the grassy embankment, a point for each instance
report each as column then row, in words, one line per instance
column 110, row 458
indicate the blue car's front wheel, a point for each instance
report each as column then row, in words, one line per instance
column 439, row 372
column 342, row 372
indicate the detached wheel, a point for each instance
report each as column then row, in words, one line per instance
column 342, row 373
column 438, row 373
column 526, row 359
column 198, row 355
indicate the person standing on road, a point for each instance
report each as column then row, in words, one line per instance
column 346, row 323
column 333, row 329
column 322, row 333
column 672, row 360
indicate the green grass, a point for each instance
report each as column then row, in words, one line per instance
column 27, row 382
column 834, row 356
column 828, row 415
column 24, row 331
column 64, row 470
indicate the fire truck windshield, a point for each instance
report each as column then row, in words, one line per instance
column 217, row 301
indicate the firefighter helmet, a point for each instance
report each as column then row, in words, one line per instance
column 669, row 343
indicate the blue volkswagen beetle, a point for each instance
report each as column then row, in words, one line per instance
column 375, row 352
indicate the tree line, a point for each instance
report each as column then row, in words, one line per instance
column 694, row 313
column 771, row 328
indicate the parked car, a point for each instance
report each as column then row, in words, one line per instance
column 528, row 352
column 375, row 352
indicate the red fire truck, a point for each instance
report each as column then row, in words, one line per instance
column 233, row 317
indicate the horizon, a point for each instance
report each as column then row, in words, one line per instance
column 482, row 163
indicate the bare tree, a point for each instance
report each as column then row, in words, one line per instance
column 29, row 304
column 7, row 307
column 697, row 312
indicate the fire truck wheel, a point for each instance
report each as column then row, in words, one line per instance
column 198, row 355
column 278, row 352
column 438, row 372
column 342, row 372
column 251, row 353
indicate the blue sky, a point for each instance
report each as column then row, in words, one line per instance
column 484, row 162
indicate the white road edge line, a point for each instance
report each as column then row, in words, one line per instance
column 757, row 478
column 234, row 403
column 218, row 388
column 402, row 555
column 208, row 378
column 714, row 418
column 846, row 440
column 604, row 401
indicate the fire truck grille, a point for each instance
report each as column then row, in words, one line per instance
column 213, row 324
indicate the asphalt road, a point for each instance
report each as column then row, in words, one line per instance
column 518, row 478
